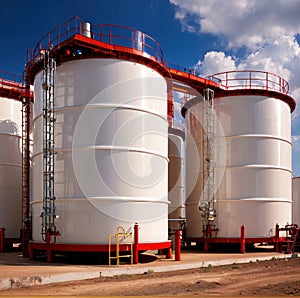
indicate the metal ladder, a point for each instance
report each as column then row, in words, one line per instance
column 119, row 236
column 207, row 202
column 48, row 213
column 292, row 233
column 26, row 115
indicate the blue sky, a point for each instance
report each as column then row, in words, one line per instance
column 23, row 23
column 214, row 35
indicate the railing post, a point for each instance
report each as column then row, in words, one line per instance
column 227, row 81
column 2, row 230
column 243, row 240
column 109, row 35
column 250, row 79
column 136, row 244
column 58, row 35
column 177, row 245
column 277, row 238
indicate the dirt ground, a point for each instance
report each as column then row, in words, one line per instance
column 261, row 278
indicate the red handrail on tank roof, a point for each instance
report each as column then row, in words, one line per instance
column 128, row 37
column 13, row 86
column 110, row 34
column 250, row 80
column 11, row 81
column 136, row 44
column 10, row 77
column 54, row 38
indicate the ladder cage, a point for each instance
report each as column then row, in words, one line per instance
column 48, row 210
column 26, row 156
column 207, row 200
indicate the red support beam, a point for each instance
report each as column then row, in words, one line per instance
column 177, row 245
column 277, row 238
column 136, row 244
column 169, row 255
column 243, row 240
column 2, row 230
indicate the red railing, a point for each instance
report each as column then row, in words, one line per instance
column 250, row 79
column 109, row 34
column 54, row 38
column 128, row 37
column 182, row 68
column 10, row 80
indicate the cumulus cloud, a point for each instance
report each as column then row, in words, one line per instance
column 242, row 22
column 215, row 62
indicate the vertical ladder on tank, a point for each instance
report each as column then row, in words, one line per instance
column 48, row 213
column 207, row 204
column 26, row 115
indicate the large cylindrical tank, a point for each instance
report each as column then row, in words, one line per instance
column 176, row 178
column 253, row 179
column 296, row 200
column 10, row 167
column 111, row 151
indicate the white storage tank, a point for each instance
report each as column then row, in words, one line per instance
column 10, row 166
column 176, row 178
column 296, row 200
column 253, row 183
column 111, row 151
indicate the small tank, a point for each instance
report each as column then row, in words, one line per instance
column 296, row 200
column 10, row 162
column 176, row 179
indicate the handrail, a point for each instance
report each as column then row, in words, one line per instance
column 110, row 34
column 250, row 79
column 185, row 69
column 54, row 38
column 128, row 37
column 136, row 40
column 11, row 81
column 9, row 76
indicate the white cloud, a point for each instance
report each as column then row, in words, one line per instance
column 250, row 23
column 295, row 139
column 215, row 62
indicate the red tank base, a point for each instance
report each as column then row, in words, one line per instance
column 207, row 243
column 8, row 244
column 51, row 249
